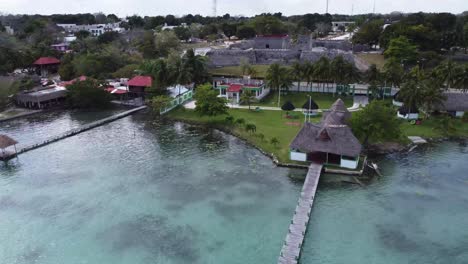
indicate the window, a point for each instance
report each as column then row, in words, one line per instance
column 267, row 46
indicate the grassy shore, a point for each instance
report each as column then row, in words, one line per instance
column 323, row 100
column 272, row 124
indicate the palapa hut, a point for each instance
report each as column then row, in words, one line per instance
column 46, row 65
column 288, row 106
column 6, row 142
column 310, row 108
column 329, row 142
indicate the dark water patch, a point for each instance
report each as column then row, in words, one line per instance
column 415, row 197
column 215, row 246
column 155, row 235
column 286, row 211
column 393, row 238
column 234, row 212
column 31, row 255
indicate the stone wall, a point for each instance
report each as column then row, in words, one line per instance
column 228, row 57
column 282, row 56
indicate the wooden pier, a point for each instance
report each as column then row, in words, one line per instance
column 76, row 131
column 291, row 251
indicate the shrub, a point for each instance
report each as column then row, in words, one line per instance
column 240, row 121
column 274, row 141
column 229, row 120
column 252, row 128
column 261, row 136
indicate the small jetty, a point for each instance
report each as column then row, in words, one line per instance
column 291, row 251
column 417, row 140
column 73, row 132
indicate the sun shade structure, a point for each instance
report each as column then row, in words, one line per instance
column 288, row 106
column 6, row 141
column 310, row 105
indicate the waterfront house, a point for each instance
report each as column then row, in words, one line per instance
column 232, row 89
column 329, row 142
column 46, row 65
column 42, row 97
column 138, row 84
column 456, row 104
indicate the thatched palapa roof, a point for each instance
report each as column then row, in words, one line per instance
column 455, row 102
column 288, row 106
column 6, row 141
column 310, row 105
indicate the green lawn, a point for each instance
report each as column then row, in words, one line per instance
column 427, row 128
column 323, row 100
column 269, row 123
column 236, row 71
column 372, row 58
column 273, row 124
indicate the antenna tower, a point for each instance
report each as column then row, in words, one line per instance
column 215, row 8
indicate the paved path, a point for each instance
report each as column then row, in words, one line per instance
column 291, row 250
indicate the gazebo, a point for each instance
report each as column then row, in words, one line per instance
column 310, row 108
column 5, row 143
column 46, row 65
column 288, row 106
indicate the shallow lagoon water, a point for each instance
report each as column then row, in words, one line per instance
column 135, row 191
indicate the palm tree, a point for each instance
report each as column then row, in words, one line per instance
column 252, row 128
column 393, row 72
column 461, row 78
column 446, row 72
column 247, row 97
column 373, row 74
column 412, row 90
column 297, row 70
column 197, row 67
column 432, row 95
column 158, row 70
column 338, row 70
column 308, row 73
column 322, row 70
column 274, row 79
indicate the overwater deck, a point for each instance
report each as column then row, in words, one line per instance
column 291, row 251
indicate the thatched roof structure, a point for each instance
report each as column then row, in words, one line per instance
column 455, row 102
column 404, row 110
column 332, row 135
column 310, row 105
column 334, row 139
column 288, row 106
column 6, row 141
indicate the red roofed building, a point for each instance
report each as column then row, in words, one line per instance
column 232, row 89
column 138, row 84
column 46, row 65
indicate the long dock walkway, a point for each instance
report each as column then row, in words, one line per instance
column 291, row 251
column 75, row 131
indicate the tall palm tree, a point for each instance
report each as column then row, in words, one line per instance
column 446, row 72
column 278, row 78
column 461, row 78
column 197, row 66
column 432, row 95
column 297, row 70
column 322, row 70
column 158, row 70
column 338, row 70
column 309, row 74
column 373, row 74
column 393, row 72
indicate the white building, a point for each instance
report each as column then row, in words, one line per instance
column 338, row 25
column 94, row 29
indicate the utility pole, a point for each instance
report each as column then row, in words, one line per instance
column 327, row 8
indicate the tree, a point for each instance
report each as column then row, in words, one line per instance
column 183, row 33
column 66, row 69
column 240, row 121
column 245, row 32
column 247, row 97
column 251, row 128
column 278, row 78
column 108, row 37
column 297, row 71
column 461, row 78
column 274, row 141
column 369, row 33
column 157, row 103
column 393, row 72
column 309, row 73
column 244, row 65
column 196, row 66
column 127, row 71
column 402, row 50
column 412, row 90
column 158, row 69
column 87, row 94
column 166, row 41
column 322, row 70
column 82, row 34
column 376, row 122
column 373, row 74
column 446, row 72
column 208, row 103
column 135, row 21
column 432, row 96
column 229, row 29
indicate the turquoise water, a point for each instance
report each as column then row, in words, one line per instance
column 416, row 213
column 136, row 191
